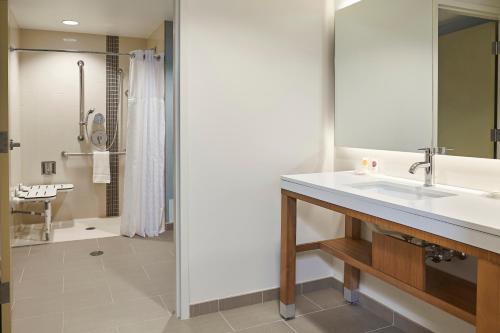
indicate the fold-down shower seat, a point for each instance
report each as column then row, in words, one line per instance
column 40, row 193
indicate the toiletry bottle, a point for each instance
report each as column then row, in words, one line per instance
column 374, row 164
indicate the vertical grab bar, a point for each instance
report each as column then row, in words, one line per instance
column 120, row 114
column 81, row 123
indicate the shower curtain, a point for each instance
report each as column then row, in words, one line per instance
column 144, row 185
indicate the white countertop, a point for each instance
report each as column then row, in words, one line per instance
column 476, row 215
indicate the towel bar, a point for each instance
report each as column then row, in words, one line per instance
column 66, row 154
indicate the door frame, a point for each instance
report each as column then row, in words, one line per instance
column 497, row 115
column 181, row 226
column 5, row 216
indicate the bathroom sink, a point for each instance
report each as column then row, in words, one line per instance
column 401, row 191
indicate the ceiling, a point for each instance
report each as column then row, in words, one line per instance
column 131, row 18
column 450, row 21
column 447, row 16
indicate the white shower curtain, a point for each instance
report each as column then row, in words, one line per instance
column 144, row 186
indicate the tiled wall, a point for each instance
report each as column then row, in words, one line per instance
column 112, row 103
column 48, row 88
column 49, row 116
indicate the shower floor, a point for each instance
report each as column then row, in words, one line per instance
column 77, row 229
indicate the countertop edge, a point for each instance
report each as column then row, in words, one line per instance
column 464, row 225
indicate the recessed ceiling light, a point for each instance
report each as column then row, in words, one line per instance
column 70, row 22
column 70, row 40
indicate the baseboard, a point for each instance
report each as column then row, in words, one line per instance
column 258, row 297
column 401, row 322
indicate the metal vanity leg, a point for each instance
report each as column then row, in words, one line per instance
column 288, row 255
column 48, row 219
column 351, row 274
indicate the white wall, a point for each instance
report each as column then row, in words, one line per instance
column 255, row 103
column 339, row 4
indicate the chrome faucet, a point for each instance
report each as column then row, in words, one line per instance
column 428, row 164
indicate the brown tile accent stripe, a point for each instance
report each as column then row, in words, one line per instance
column 257, row 297
column 271, row 294
column 112, row 189
column 196, row 310
column 366, row 302
column 239, row 301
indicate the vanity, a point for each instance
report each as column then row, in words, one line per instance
column 451, row 218
column 411, row 75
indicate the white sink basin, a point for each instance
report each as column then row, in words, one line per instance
column 406, row 192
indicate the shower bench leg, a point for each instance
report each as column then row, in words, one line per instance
column 48, row 219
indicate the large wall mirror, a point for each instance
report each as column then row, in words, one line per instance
column 467, row 83
column 416, row 73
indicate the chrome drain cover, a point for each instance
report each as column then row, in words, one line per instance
column 96, row 253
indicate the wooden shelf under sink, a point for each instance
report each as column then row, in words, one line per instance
column 452, row 289
column 442, row 290
column 475, row 303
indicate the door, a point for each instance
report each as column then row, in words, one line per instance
column 467, row 91
column 498, row 91
column 5, row 215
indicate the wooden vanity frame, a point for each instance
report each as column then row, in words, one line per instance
column 477, row 304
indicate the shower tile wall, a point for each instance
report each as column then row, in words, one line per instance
column 48, row 89
column 49, row 110
column 112, row 189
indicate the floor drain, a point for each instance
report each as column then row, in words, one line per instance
column 90, row 228
column 96, row 253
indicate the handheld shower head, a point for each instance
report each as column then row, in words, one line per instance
column 89, row 112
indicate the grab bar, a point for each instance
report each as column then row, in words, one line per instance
column 65, row 154
column 81, row 137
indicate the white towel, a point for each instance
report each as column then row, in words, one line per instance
column 102, row 174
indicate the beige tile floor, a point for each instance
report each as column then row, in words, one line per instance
column 59, row 288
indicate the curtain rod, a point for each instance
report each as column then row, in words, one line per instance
column 12, row 49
